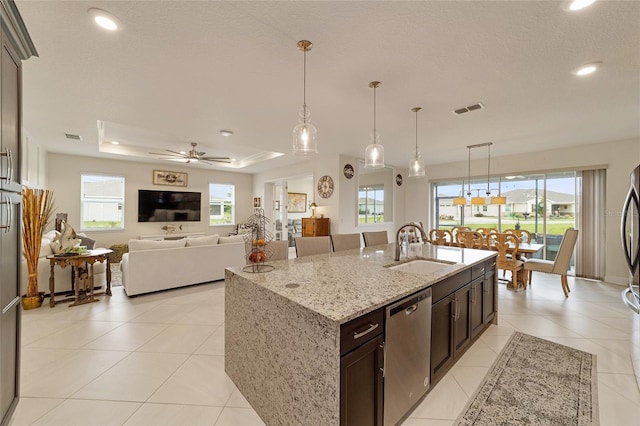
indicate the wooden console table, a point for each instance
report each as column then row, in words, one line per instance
column 83, row 265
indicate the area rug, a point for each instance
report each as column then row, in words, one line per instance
column 536, row 382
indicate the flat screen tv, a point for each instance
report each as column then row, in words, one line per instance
column 168, row 206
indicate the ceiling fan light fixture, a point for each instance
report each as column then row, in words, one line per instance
column 226, row 133
column 587, row 69
column 374, row 153
column 416, row 165
column 305, row 135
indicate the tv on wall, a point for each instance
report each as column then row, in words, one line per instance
column 168, row 206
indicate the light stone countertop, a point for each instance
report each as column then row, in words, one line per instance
column 345, row 285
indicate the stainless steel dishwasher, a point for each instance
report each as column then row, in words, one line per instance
column 407, row 354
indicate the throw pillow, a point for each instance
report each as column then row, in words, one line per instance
column 232, row 239
column 209, row 240
column 136, row 245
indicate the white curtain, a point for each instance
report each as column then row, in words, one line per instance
column 590, row 248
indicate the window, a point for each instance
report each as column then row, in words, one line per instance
column 543, row 204
column 371, row 204
column 102, row 202
column 221, row 204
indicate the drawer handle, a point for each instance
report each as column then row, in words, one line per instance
column 372, row 327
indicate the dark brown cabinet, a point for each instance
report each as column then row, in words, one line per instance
column 361, row 385
column 315, row 226
column 361, row 369
column 463, row 307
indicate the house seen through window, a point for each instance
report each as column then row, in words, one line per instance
column 221, row 204
column 101, row 202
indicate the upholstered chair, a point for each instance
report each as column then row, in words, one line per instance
column 345, row 241
column 308, row 246
column 375, row 238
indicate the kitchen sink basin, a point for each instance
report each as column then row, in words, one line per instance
column 423, row 266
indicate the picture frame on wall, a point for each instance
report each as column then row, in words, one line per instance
column 164, row 177
column 256, row 202
column 296, row 202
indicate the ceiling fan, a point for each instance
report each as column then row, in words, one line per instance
column 193, row 156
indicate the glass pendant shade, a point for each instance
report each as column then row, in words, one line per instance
column 374, row 154
column 416, row 165
column 305, row 136
column 416, row 168
column 499, row 200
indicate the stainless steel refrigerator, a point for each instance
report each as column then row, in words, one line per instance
column 630, row 234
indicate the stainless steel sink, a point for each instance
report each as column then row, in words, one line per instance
column 423, row 266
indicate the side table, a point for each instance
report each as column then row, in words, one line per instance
column 83, row 265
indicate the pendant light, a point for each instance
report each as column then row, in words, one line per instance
column 305, row 135
column 499, row 199
column 461, row 200
column 479, row 201
column 416, row 166
column 374, row 154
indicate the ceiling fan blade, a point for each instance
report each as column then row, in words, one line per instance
column 163, row 153
column 216, row 158
column 177, row 153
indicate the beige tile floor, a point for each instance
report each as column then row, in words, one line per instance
column 158, row 359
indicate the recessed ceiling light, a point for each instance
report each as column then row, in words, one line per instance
column 105, row 19
column 226, row 132
column 587, row 69
column 115, row 143
column 580, row 4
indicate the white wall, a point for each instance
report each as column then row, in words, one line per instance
column 34, row 163
column 64, row 179
column 619, row 158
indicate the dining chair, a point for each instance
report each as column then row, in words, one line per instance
column 345, row 241
column 560, row 266
column 470, row 239
column 375, row 238
column 507, row 244
column 279, row 250
column 523, row 235
column 440, row 237
column 308, row 246
column 486, row 231
column 456, row 229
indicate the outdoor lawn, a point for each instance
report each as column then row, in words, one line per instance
column 555, row 226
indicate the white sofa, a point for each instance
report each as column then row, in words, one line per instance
column 62, row 275
column 161, row 265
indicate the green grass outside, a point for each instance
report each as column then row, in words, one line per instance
column 370, row 219
column 102, row 224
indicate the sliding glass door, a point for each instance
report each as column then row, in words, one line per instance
column 543, row 204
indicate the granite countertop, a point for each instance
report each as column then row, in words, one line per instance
column 345, row 285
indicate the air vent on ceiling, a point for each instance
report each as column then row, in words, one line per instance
column 73, row 137
column 468, row 108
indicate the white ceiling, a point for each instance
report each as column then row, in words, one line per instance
column 180, row 71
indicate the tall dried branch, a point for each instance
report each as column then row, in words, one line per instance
column 37, row 209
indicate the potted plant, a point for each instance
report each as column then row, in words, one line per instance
column 37, row 208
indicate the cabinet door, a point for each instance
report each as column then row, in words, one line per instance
column 10, row 214
column 322, row 227
column 10, row 116
column 9, row 358
column 476, row 306
column 462, row 320
column 489, row 302
column 308, row 227
column 361, row 385
column 442, row 314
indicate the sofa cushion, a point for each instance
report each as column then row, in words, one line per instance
column 209, row 240
column 89, row 243
column 231, row 239
column 137, row 245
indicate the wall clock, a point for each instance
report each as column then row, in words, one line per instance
column 325, row 186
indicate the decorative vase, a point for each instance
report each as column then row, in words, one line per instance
column 32, row 302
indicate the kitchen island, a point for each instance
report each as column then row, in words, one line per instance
column 283, row 328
